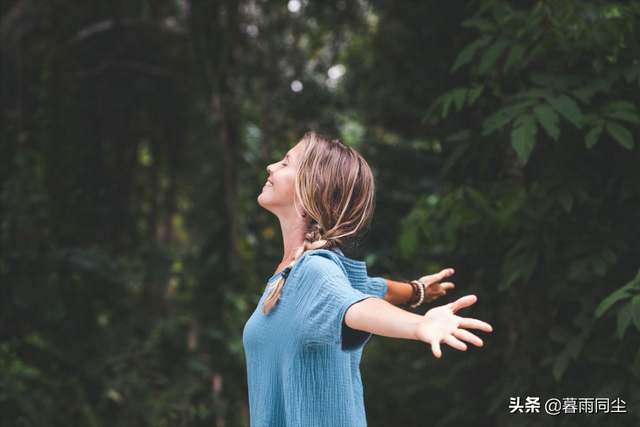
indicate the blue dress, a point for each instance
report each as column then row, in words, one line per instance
column 302, row 360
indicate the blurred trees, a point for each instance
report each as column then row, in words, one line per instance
column 134, row 141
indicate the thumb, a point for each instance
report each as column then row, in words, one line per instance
column 463, row 302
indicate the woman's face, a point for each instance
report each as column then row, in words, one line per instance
column 277, row 193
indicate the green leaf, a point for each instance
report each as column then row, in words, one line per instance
column 439, row 100
column 474, row 93
column 561, row 364
column 516, row 52
column 446, row 103
column 409, row 241
column 585, row 93
column 523, row 136
column 534, row 93
column 568, row 108
column 617, row 295
column 618, row 104
column 624, row 320
column 480, row 201
column 635, row 310
column 467, row 54
column 458, row 95
column 593, row 134
column 491, row 55
column 620, row 134
column 504, row 116
column 457, row 153
column 548, row 119
column 623, row 115
column 480, row 23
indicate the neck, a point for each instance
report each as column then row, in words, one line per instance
column 293, row 237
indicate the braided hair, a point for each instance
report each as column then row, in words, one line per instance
column 336, row 189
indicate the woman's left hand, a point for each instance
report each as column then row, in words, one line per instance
column 441, row 325
column 433, row 287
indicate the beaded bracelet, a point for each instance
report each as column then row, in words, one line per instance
column 417, row 296
column 422, row 292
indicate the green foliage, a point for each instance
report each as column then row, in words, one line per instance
column 556, row 217
column 557, row 34
column 132, row 255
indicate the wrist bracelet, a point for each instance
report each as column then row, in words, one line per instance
column 418, row 294
column 422, row 292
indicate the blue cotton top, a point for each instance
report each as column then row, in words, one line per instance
column 302, row 359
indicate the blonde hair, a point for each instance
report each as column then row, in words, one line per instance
column 336, row 189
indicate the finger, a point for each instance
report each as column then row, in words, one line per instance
column 435, row 348
column 463, row 302
column 455, row 343
column 467, row 322
column 446, row 272
column 468, row 336
column 432, row 278
column 436, row 292
column 447, row 285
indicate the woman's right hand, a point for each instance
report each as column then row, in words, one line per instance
column 433, row 287
column 440, row 324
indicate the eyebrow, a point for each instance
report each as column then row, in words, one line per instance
column 287, row 156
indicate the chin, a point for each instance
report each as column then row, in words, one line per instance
column 260, row 201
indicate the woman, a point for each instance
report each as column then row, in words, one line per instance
column 304, row 341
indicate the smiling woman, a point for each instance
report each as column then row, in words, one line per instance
column 303, row 342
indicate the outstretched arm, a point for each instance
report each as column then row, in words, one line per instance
column 438, row 325
column 399, row 292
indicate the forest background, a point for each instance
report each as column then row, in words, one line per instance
column 135, row 136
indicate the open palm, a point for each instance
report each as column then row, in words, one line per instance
column 440, row 324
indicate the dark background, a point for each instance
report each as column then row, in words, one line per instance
column 135, row 136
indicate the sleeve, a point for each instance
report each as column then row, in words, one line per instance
column 376, row 286
column 327, row 297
